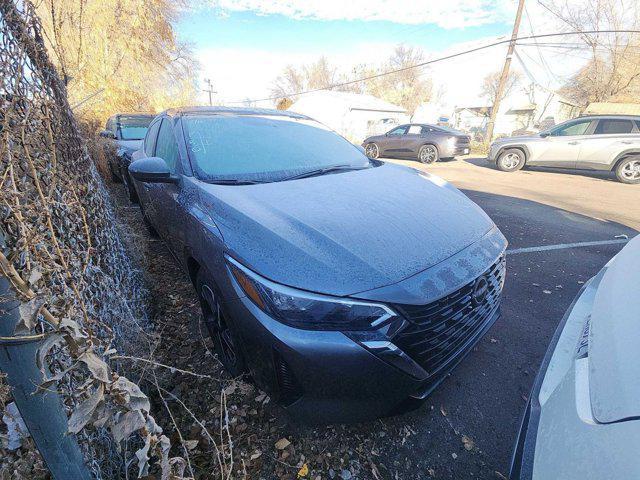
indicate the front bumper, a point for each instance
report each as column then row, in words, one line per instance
column 331, row 376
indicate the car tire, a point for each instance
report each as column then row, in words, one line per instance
column 128, row 186
column 428, row 154
column 114, row 177
column 628, row 170
column 511, row 160
column 225, row 342
column 152, row 231
column 372, row 150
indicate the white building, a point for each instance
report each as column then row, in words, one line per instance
column 352, row 115
column 525, row 110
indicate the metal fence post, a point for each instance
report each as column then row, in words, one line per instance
column 42, row 411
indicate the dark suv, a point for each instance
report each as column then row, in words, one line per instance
column 317, row 270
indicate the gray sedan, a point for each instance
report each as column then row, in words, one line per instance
column 333, row 291
column 426, row 143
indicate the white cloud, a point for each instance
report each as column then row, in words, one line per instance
column 444, row 13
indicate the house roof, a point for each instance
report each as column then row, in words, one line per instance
column 350, row 101
column 609, row 108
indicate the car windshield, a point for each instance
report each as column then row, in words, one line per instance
column 265, row 148
column 134, row 127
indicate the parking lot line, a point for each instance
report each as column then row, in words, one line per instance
column 561, row 246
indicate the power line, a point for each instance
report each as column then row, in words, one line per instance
column 429, row 62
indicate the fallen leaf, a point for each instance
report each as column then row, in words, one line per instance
column 282, row 444
column 190, row 444
column 304, row 471
column 255, row 455
column 468, row 443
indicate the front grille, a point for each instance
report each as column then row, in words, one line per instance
column 439, row 331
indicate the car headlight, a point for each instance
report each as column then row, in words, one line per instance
column 310, row 311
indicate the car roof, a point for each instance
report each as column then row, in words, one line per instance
column 118, row 115
column 609, row 117
column 219, row 110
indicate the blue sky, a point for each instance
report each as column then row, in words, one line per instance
column 242, row 45
column 206, row 28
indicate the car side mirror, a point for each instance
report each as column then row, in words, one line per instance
column 544, row 134
column 107, row 134
column 152, row 170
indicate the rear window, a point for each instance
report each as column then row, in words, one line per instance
column 133, row 127
column 610, row 126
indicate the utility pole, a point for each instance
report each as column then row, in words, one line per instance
column 209, row 90
column 505, row 74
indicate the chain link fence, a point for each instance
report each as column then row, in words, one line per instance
column 76, row 293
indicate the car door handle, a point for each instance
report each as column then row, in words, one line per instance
column 574, row 143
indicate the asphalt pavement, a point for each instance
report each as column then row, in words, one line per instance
column 562, row 227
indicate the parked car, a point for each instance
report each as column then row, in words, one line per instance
column 318, row 270
column 609, row 143
column 427, row 143
column 127, row 131
column 582, row 420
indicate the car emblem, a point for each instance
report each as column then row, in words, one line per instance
column 480, row 290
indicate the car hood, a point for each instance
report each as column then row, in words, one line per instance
column 129, row 146
column 347, row 232
column 614, row 337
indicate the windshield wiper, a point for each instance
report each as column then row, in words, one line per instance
column 322, row 171
column 233, row 181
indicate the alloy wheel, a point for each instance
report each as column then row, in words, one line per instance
column 511, row 160
column 218, row 328
column 371, row 150
column 631, row 171
column 428, row 154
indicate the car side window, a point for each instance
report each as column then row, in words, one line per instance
column 576, row 128
column 611, row 126
column 150, row 139
column 414, row 130
column 398, row 131
column 166, row 146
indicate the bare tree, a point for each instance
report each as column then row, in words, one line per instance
column 316, row 75
column 408, row 88
column 491, row 82
column 613, row 72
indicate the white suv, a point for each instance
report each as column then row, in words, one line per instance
column 610, row 143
